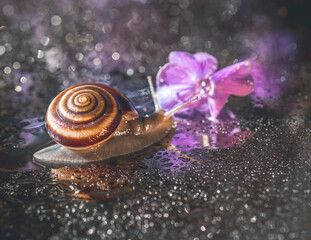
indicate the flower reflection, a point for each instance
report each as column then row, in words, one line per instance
column 188, row 75
column 213, row 135
column 203, row 134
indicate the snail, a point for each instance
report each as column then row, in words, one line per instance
column 92, row 122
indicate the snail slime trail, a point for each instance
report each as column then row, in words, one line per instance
column 93, row 122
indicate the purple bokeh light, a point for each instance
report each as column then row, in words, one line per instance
column 273, row 65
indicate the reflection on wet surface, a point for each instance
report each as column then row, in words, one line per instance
column 99, row 181
column 254, row 187
column 246, row 176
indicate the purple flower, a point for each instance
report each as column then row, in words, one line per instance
column 188, row 75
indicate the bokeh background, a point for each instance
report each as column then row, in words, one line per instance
column 256, row 190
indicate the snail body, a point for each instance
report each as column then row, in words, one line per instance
column 92, row 122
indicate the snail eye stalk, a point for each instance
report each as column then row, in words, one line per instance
column 176, row 109
column 156, row 102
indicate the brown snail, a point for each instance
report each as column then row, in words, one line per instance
column 93, row 122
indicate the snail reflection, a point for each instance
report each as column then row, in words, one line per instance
column 105, row 180
column 98, row 181
column 93, row 122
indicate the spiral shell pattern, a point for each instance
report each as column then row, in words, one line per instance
column 84, row 115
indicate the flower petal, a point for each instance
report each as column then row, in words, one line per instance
column 172, row 73
column 235, row 79
column 184, row 60
column 208, row 63
column 174, row 95
column 216, row 103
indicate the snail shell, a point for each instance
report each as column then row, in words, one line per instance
column 86, row 115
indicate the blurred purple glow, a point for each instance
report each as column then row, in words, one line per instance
column 273, row 64
column 186, row 76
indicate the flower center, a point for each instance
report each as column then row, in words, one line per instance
column 205, row 86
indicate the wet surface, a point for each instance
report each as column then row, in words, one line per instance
column 246, row 176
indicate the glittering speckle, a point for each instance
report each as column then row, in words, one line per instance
column 130, row 72
column 45, row 41
column 56, row 20
column 7, row 70
column 99, row 47
column 79, row 56
column 2, row 50
column 18, row 89
column 23, row 80
column 16, row 65
column 40, row 54
column 8, row 10
column 115, row 56
column 97, row 61
column 8, row 47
